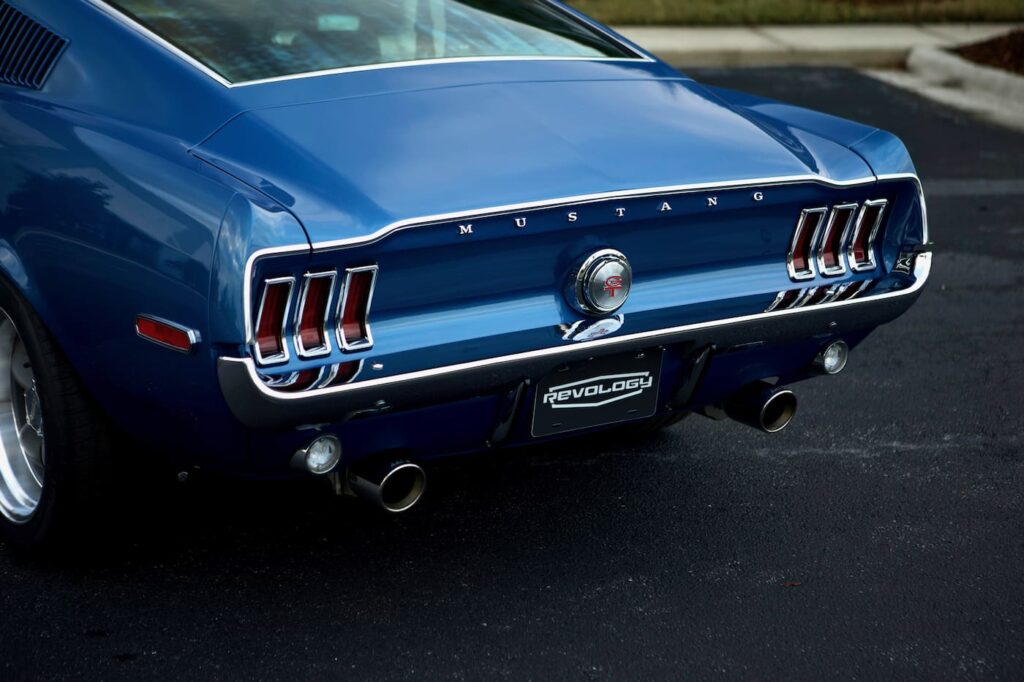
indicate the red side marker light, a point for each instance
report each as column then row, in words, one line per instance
column 166, row 334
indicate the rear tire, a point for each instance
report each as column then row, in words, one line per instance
column 55, row 461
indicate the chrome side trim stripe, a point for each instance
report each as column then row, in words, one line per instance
column 922, row 270
column 427, row 62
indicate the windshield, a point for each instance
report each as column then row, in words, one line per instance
column 249, row 40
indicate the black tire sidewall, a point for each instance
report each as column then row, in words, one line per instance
column 62, row 493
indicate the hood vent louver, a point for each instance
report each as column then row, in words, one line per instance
column 28, row 50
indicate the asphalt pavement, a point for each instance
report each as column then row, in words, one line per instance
column 880, row 536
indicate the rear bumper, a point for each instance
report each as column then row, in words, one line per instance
column 259, row 407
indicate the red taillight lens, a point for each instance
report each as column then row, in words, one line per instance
column 165, row 333
column 862, row 247
column 314, row 305
column 354, row 328
column 271, row 319
column 837, row 231
column 801, row 264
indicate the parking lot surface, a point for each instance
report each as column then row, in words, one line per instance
column 881, row 535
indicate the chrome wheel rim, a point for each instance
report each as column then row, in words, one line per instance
column 22, row 439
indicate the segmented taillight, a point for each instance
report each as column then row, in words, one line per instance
column 831, row 260
column 357, row 295
column 801, row 252
column 861, row 252
column 315, row 317
column 271, row 320
column 311, row 337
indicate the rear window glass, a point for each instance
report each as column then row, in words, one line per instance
column 248, row 40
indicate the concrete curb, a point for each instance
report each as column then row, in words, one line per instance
column 939, row 67
column 854, row 45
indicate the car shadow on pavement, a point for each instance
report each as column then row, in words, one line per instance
column 554, row 496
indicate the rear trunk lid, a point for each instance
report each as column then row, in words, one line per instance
column 349, row 167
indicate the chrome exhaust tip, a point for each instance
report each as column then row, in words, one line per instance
column 395, row 487
column 763, row 406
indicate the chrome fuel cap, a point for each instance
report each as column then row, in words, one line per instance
column 602, row 283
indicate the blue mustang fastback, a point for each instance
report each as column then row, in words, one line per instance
column 342, row 238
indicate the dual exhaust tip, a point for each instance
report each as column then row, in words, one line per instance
column 395, row 486
column 763, row 406
column 771, row 408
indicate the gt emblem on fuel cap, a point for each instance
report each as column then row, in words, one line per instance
column 601, row 284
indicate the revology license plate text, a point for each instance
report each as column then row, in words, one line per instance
column 598, row 392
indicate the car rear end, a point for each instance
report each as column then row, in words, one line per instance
column 452, row 333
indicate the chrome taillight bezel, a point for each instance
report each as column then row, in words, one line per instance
column 300, row 346
column 366, row 342
column 809, row 257
column 839, row 268
column 870, row 262
column 284, row 356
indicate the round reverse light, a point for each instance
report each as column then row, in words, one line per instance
column 323, row 454
column 833, row 359
column 603, row 282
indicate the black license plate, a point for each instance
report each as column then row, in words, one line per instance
column 598, row 392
